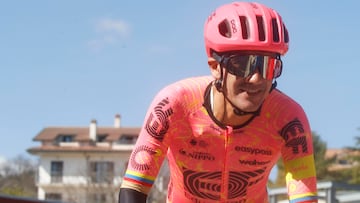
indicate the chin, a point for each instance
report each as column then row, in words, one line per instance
column 249, row 108
column 246, row 102
column 249, row 105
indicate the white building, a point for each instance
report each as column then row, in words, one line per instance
column 83, row 164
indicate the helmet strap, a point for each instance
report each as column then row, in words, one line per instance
column 219, row 82
column 273, row 86
column 240, row 112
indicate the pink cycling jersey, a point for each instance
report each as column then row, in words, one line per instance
column 210, row 162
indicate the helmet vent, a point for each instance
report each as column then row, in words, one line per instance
column 261, row 28
column 224, row 29
column 244, row 27
column 275, row 29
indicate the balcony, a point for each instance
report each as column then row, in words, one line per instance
column 69, row 144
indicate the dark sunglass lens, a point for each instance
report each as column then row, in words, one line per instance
column 237, row 64
column 277, row 68
column 246, row 65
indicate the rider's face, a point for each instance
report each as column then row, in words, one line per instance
column 246, row 93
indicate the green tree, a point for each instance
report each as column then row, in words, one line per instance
column 349, row 175
column 18, row 177
column 321, row 162
column 280, row 176
column 354, row 159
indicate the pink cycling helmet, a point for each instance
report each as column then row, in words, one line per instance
column 244, row 26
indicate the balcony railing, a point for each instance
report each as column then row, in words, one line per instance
column 56, row 178
column 69, row 144
column 327, row 191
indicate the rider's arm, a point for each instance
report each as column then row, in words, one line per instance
column 150, row 149
column 298, row 158
column 127, row 195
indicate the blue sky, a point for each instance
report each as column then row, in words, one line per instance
column 64, row 63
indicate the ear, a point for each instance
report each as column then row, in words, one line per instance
column 214, row 68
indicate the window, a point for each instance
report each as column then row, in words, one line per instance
column 98, row 198
column 101, row 137
column 127, row 139
column 65, row 138
column 53, row 196
column 343, row 162
column 102, row 171
column 56, row 171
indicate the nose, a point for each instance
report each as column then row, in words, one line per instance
column 255, row 77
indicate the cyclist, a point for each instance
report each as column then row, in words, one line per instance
column 222, row 134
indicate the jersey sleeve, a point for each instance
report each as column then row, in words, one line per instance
column 298, row 158
column 151, row 147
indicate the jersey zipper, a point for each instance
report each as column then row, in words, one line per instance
column 225, row 172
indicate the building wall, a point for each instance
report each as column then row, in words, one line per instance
column 85, row 152
column 74, row 184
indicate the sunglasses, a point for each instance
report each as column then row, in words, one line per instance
column 244, row 65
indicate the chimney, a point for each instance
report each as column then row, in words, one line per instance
column 117, row 121
column 92, row 130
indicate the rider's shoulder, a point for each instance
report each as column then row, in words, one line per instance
column 281, row 99
column 189, row 84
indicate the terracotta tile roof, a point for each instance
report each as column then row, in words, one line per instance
column 342, row 158
column 341, row 153
column 82, row 133
column 63, row 149
column 330, row 153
